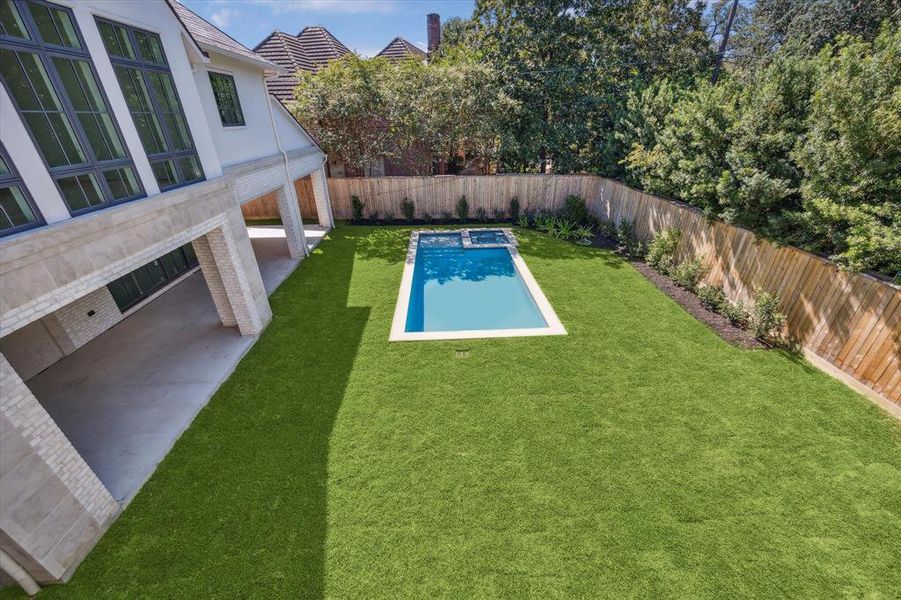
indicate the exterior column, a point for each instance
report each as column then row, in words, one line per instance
column 53, row 508
column 323, row 202
column 291, row 219
column 214, row 281
column 232, row 284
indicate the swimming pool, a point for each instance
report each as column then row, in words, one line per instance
column 469, row 284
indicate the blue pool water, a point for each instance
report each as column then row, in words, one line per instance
column 488, row 236
column 457, row 289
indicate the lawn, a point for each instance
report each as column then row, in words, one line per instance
column 638, row 456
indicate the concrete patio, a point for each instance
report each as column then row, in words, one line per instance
column 125, row 397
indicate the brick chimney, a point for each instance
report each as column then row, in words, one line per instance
column 433, row 28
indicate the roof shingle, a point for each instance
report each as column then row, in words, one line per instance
column 206, row 33
column 401, row 49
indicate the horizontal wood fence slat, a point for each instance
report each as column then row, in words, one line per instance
column 850, row 321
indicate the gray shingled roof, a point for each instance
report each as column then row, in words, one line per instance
column 401, row 49
column 205, row 33
column 309, row 50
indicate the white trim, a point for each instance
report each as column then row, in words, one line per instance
column 399, row 323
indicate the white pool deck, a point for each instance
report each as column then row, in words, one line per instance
column 399, row 322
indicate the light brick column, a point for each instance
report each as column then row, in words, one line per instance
column 53, row 508
column 231, row 286
column 291, row 220
column 323, row 202
column 214, row 280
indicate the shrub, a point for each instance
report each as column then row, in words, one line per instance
column 446, row 216
column 498, row 214
column 373, row 216
column 628, row 241
column 584, row 234
column 408, row 208
column 388, row 217
column 574, row 210
column 523, row 221
column 662, row 250
column 736, row 313
column 545, row 223
column 426, row 217
column 605, row 228
column 563, row 229
column 462, row 208
column 712, row 297
column 514, row 208
column 356, row 208
column 481, row 214
column 688, row 273
column 767, row 321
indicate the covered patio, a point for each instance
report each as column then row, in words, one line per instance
column 125, row 397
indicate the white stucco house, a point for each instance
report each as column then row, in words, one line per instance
column 131, row 133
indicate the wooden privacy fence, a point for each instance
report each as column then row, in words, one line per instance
column 266, row 206
column 846, row 323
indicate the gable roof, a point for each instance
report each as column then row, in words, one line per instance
column 207, row 35
column 320, row 46
column 401, row 49
column 310, row 50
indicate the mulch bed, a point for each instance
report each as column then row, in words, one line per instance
column 722, row 326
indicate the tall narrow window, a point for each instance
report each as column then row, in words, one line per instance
column 146, row 82
column 17, row 211
column 51, row 79
column 226, row 95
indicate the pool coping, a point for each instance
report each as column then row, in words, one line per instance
column 399, row 323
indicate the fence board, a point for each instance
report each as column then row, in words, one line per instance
column 852, row 321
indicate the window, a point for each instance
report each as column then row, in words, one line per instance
column 226, row 95
column 17, row 212
column 51, row 80
column 144, row 281
column 143, row 74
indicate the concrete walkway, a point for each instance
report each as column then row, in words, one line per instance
column 124, row 398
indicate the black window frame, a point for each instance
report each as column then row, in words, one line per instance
column 45, row 52
column 191, row 262
column 14, row 179
column 145, row 67
column 237, row 99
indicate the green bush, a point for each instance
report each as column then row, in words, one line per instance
column 628, row 241
column 605, row 228
column 408, row 208
column 498, row 214
column 356, row 208
column 563, row 229
column 481, row 215
column 447, row 217
column 426, row 217
column 662, row 250
column 462, row 208
column 687, row 273
column 712, row 297
column 574, row 210
column 373, row 216
column 584, row 234
column 523, row 221
column 545, row 223
column 514, row 208
column 736, row 313
column 767, row 321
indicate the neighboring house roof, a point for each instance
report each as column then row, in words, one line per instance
column 309, row 50
column 401, row 49
column 207, row 35
column 320, row 46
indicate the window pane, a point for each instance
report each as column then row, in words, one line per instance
column 80, row 84
column 164, row 91
column 54, row 25
column 81, row 191
column 164, row 171
column 14, row 208
column 178, row 131
column 122, row 182
column 151, row 50
column 28, row 80
column 124, row 291
column 115, row 38
column 190, row 255
column 11, row 21
column 150, row 277
column 4, row 168
column 190, row 168
column 226, row 95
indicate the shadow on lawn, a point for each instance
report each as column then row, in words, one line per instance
column 389, row 243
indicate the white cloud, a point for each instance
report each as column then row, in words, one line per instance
column 330, row 6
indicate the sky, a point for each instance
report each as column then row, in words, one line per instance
column 362, row 25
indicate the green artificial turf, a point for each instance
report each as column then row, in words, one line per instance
column 638, row 456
